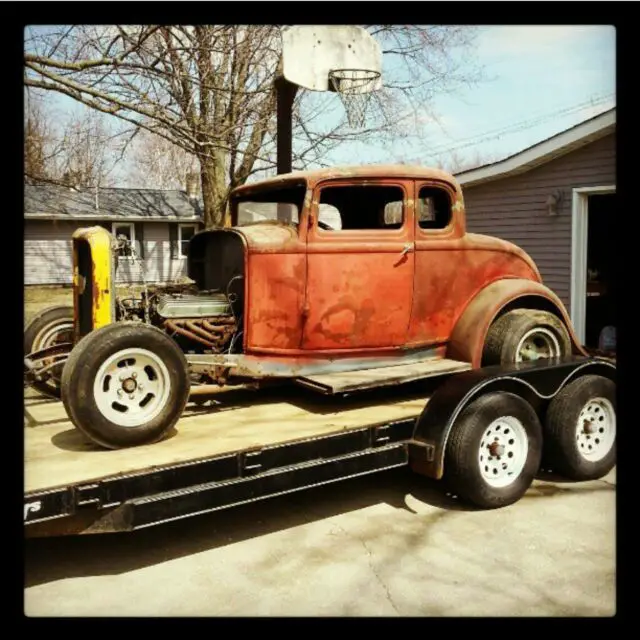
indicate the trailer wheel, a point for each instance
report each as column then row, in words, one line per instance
column 125, row 384
column 580, row 429
column 522, row 335
column 51, row 326
column 494, row 450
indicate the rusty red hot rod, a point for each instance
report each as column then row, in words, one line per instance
column 336, row 279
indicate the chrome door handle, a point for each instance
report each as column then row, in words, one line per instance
column 406, row 249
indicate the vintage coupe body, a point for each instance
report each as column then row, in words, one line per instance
column 370, row 261
column 319, row 272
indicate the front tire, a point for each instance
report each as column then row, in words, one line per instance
column 524, row 335
column 580, row 429
column 494, row 450
column 125, row 384
column 49, row 327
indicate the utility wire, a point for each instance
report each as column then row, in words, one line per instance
column 517, row 126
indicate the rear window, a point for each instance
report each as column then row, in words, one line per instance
column 276, row 205
column 250, row 212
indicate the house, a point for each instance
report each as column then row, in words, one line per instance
column 557, row 201
column 158, row 222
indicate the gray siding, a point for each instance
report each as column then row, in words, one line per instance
column 159, row 266
column 514, row 208
column 47, row 254
column 47, row 251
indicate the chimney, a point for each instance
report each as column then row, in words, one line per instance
column 193, row 185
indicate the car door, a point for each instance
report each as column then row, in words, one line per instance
column 442, row 273
column 360, row 263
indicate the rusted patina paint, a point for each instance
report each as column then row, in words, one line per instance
column 307, row 363
column 450, row 272
column 102, row 275
column 467, row 338
column 370, row 172
column 323, row 292
column 276, row 287
column 358, row 300
column 270, row 236
column 360, row 282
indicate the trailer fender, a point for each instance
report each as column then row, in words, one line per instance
column 536, row 382
column 468, row 336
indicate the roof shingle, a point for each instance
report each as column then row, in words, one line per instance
column 48, row 200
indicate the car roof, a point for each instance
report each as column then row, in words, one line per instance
column 314, row 176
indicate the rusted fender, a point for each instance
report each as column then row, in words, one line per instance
column 468, row 336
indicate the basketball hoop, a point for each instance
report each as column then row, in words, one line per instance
column 355, row 88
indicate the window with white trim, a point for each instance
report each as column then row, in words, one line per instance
column 185, row 233
column 128, row 230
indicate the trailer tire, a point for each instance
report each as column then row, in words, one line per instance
column 494, row 450
column 521, row 335
column 135, row 407
column 580, row 429
column 47, row 328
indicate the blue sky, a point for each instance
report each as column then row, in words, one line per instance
column 540, row 81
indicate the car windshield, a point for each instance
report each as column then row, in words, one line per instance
column 275, row 205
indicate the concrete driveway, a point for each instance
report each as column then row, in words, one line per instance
column 391, row 544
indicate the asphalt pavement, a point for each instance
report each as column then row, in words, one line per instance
column 389, row 544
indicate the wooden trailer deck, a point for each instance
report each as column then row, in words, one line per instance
column 57, row 454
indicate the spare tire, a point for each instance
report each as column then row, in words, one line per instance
column 524, row 335
column 48, row 328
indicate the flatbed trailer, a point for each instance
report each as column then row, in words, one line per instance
column 254, row 444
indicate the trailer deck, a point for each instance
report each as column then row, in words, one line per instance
column 241, row 446
column 252, row 444
column 56, row 454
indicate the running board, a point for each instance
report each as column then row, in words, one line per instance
column 346, row 381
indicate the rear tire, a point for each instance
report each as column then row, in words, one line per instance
column 125, row 384
column 523, row 335
column 51, row 326
column 493, row 451
column 580, row 429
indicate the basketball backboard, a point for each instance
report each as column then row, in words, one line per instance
column 310, row 52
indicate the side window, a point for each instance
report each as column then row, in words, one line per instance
column 345, row 208
column 125, row 230
column 434, row 208
column 185, row 233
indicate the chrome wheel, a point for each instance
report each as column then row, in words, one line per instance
column 503, row 451
column 536, row 344
column 596, row 429
column 132, row 387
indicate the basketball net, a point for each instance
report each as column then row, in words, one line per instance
column 355, row 88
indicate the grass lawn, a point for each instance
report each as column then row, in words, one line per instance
column 38, row 298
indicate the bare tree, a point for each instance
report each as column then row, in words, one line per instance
column 209, row 89
column 157, row 163
column 90, row 150
column 455, row 162
column 40, row 144
column 78, row 151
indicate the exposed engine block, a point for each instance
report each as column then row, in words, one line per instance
column 203, row 305
column 205, row 318
column 198, row 320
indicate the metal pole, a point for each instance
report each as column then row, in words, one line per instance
column 286, row 93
